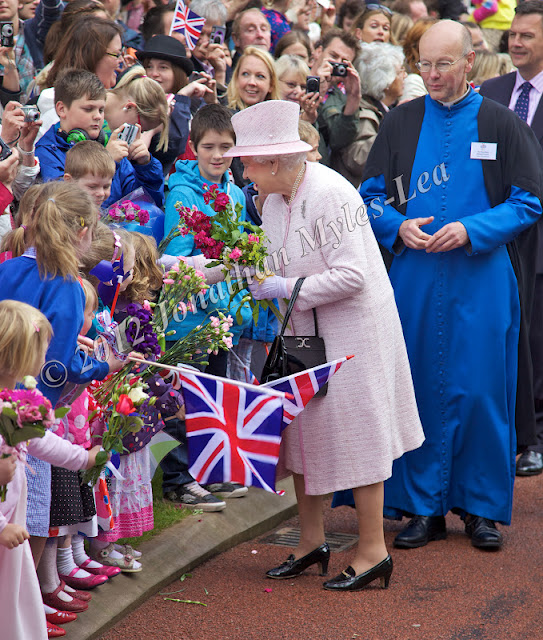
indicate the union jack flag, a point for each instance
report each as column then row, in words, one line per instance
column 234, row 433
column 303, row 386
column 187, row 23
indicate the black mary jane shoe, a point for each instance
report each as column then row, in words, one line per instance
column 348, row 581
column 292, row 567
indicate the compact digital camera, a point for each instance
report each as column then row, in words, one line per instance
column 6, row 34
column 217, row 35
column 339, row 69
column 313, row 84
column 32, row 114
column 129, row 133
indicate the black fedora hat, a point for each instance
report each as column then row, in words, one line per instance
column 167, row 48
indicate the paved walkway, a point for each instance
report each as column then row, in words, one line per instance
column 445, row 591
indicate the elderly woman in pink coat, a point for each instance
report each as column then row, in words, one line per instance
column 349, row 438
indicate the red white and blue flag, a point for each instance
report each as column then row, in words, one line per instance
column 187, row 23
column 303, row 386
column 233, row 432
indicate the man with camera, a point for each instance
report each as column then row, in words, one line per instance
column 338, row 93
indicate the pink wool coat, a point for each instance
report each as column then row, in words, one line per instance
column 369, row 417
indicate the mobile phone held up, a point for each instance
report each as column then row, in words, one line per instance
column 217, row 35
column 313, row 84
column 128, row 134
column 7, row 38
column 5, row 151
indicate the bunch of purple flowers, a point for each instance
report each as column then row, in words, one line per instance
column 140, row 332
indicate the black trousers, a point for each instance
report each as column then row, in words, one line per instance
column 536, row 347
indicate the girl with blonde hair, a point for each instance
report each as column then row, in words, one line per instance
column 254, row 80
column 138, row 99
column 147, row 274
column 24, row 338
column 58, row 232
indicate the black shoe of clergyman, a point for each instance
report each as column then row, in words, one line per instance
column 530, row 463
column 483, row 532
column 420, row 531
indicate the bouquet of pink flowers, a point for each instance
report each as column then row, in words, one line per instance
column 127, row 211
column 236, row 244
column 24, row 414
column 224, row 237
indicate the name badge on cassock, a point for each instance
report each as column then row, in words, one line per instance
column 483, row 150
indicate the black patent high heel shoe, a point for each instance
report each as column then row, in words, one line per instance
column 348, row 581
column 292, row 567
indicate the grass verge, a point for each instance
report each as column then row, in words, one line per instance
column 165, row 513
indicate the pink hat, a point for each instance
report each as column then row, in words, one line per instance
column 267, row 129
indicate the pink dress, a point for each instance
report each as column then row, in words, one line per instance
column 21, row 606
column 132, row 498
column 128, row 510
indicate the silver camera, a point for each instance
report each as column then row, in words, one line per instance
column 129, row 133
column 7, row 38
column 32, row 114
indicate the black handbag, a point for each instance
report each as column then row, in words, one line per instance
column 292, row 354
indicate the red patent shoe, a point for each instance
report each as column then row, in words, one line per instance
column 60, row 617
column 102, row 570
column 54, row 632
column 84, row 596
column 52, row 600
column 90, row 582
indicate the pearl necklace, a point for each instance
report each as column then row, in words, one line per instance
column 296, row 185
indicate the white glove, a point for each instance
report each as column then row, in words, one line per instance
column 272, row 287
column 188, row 260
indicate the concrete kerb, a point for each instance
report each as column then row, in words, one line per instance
column 179, row 549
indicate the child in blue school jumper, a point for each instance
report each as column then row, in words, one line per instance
column 80, row 104
column 60, row 219
column 211, row 136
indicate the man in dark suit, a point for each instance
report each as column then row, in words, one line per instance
column 522, row 91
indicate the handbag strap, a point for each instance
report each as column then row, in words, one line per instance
column 315, row 321
column 290, row 307
column 291, row 304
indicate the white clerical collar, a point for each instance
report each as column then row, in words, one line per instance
column 450, row 104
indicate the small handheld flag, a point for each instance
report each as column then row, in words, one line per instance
column 233, row 432
column 187, row 23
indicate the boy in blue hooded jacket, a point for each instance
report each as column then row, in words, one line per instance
column 211, row 135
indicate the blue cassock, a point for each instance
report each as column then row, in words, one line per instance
column 460, row 314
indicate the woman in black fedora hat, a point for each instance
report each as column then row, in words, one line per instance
column 165, row 60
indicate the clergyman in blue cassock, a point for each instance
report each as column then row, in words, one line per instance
column 473, row 161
